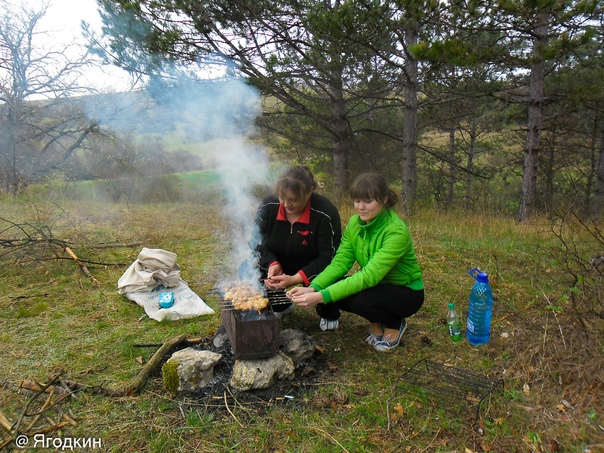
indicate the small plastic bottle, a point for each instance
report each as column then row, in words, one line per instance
column 453, row 323
column 480, row 309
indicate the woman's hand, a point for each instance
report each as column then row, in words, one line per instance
column 305, row 297
column 281, row 281
column 273, row 271
column 270, row 283
column 299, row 290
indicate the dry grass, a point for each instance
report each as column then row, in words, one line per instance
column 545, row 347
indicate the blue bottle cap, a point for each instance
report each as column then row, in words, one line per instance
column 480, row 276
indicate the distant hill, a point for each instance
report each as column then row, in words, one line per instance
column 194, row 111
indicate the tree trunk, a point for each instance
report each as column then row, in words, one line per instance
column 14, row 177
column 470, row 163
column 341, row 137
column 451, row 191
column 409, row 157
column 593, row 165
column 535, row 119
column 340, row 168
column 549, row 171
column 597, row 203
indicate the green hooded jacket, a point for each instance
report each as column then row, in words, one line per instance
column 384, row 251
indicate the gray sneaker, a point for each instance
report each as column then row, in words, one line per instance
column 373, row 338
column 329, row 324
column 389, row 343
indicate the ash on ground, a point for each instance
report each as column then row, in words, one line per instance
column 218, row 394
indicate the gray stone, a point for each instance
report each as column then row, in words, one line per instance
column 195, row 368
column 261, row 373
column 297, row 345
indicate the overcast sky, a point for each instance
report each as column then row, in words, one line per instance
column 63, row 22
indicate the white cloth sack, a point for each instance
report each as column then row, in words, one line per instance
column 155, row 271
column 152, row 268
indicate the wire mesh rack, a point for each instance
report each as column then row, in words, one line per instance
column 446, row 387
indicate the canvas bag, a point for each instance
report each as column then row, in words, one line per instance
column 155, row 271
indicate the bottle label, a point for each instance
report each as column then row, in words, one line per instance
column 454, row 330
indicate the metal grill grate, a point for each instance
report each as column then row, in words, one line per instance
column 446, row 387
column 277, row 297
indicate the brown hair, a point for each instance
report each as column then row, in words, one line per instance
column 299, row 180
column 373, row 185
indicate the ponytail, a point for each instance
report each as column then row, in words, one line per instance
column 392, row 198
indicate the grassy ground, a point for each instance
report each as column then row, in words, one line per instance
column 546, row 343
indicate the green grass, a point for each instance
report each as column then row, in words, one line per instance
column 55, row 319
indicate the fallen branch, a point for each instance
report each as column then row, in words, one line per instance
column 513, row 313
column 21, row 242
column 32, row 413
column 319, row 430
column 95, row 389
column 49, row 429
column 556, row 316
column 39, row 414
column 226, row 404
column 41, row 391
column 6, row 442
column 5, row 423
column 83, row 267
column 33, row 387
column 157, row 345
column 70, row 387
column 153, row 363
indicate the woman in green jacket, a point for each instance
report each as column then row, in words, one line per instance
column 388, row 287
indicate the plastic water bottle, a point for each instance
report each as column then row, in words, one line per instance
column 480, row 309
column 453, row 323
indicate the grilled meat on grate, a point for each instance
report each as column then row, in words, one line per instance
column 243, row 296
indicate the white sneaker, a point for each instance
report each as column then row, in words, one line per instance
column 328, row 324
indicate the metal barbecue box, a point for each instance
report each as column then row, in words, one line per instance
column 253, row 334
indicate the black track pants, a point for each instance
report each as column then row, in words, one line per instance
column 388, row 304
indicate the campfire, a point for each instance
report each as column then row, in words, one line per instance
column 248, row 317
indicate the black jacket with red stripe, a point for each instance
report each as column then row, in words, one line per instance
column 307, row 246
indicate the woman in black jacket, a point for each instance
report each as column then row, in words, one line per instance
column 300, row 232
